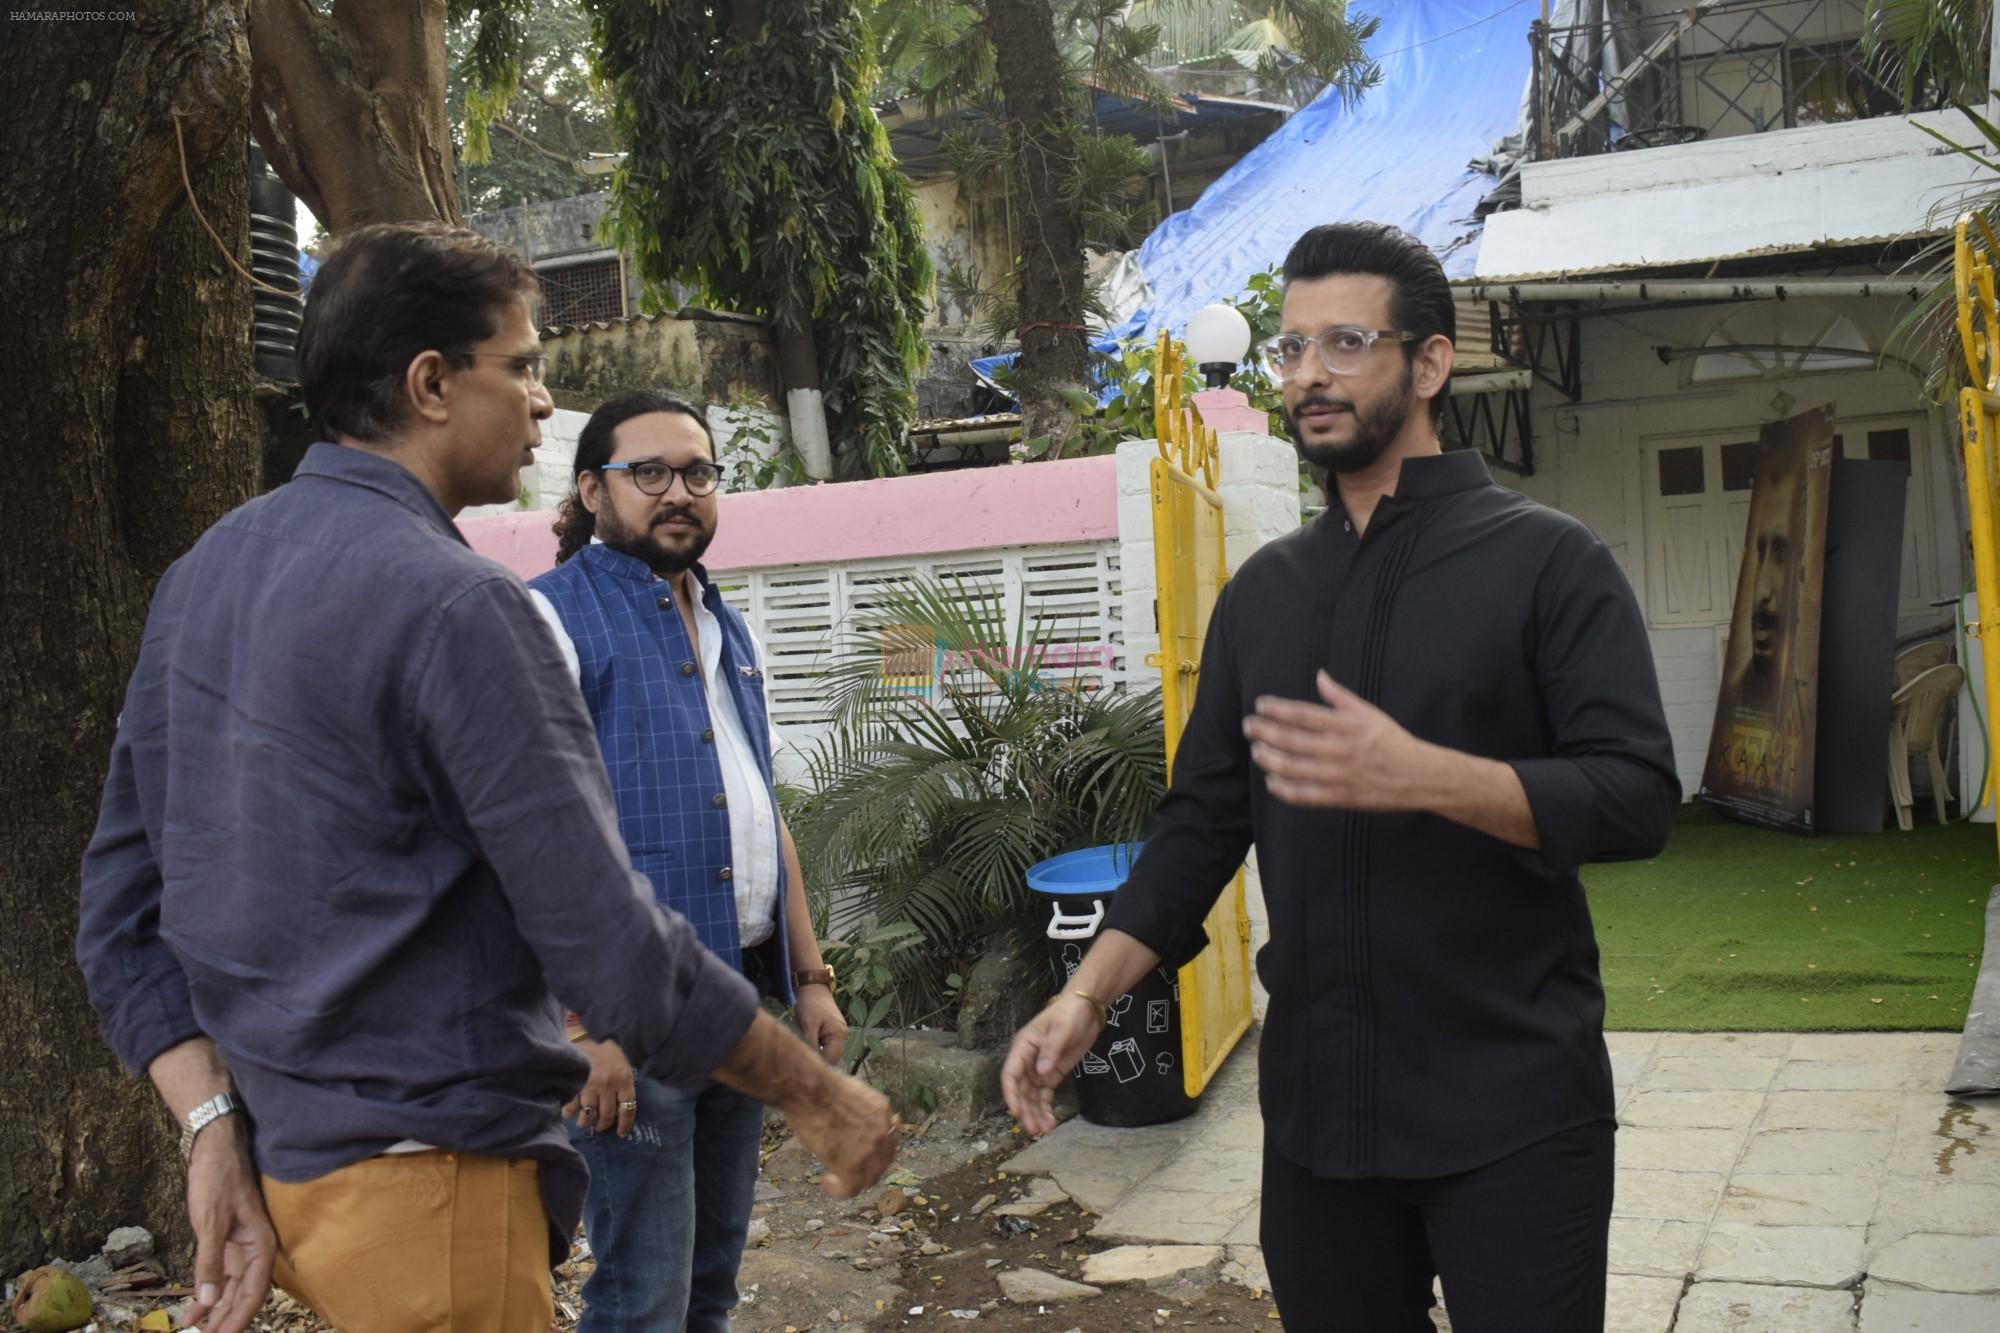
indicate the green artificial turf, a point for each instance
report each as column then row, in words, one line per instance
column 1741, row 929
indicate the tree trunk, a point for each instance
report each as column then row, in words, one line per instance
column 349, row 108
column 127, row 427
column 1041, row 129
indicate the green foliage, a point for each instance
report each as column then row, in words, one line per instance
column 757, row 172
column 1934, row 51
column 757, row 456
column 865, row 960
column 1930, row 329
column 942, row 51
column 522, row 97
column 1300, row 46
column 928, row 808
column 1128, row 414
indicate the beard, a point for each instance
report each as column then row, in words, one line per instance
column 1377, row 423
column 665, row 555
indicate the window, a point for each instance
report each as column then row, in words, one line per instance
column 1778, row 340
column 1697, row 496
column 590, row 292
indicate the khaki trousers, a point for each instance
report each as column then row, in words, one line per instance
column 417, row 1241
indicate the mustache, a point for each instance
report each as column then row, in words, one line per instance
column 669, row 515
column 1306, row 404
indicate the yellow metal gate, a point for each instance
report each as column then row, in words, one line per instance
column 1977, row 254
column 1188, row 561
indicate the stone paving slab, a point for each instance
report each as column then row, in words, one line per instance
column 1640, row 1304
column 1678, row 1196
column 1681, row 1149
column 1805, row 1108
column 1700, row 1110
column 1794, row 1200
column 1929, row 1261
column 1736, row 1072
column 1813, row 1152
column 1769, row 1181
column 1893, row 1310
column 1736, row 1307
column 1806, row 1256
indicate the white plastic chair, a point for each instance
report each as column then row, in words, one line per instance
column 1916, row 716
column 1913, row 662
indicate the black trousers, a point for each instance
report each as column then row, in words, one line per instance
column 1518, row 1244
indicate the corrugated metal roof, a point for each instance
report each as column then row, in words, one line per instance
column 1754, row 252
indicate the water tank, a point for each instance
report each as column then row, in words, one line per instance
column 274, row 262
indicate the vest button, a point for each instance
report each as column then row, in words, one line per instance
column 719, row 800
column 725, row 873
column 687, row 668
column 708, row 734
column 666, row 603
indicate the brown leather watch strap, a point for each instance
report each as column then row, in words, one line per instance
column 813, row 976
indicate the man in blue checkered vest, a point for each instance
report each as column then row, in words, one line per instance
column 674, row 681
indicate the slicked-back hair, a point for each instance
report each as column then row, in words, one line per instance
column 1420, row 303
column 575, row 524
column 388, row 294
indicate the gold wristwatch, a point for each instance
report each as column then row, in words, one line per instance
column 813, row 976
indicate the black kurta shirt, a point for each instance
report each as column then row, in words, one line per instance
column 1435, row 1001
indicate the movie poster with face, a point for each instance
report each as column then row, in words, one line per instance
column 1760, row 754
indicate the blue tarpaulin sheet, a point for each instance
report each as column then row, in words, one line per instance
column 1452, row 74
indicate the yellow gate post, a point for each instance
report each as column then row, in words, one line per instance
column 1188, row 562
column 1976, row 254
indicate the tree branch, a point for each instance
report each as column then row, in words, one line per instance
column 528, row 141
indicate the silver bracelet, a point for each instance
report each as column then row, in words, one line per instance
column 221, row 1104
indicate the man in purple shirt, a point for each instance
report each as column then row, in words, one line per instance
column 357, row 839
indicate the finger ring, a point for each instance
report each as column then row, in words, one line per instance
column 628, row 1106
column 588, row 1110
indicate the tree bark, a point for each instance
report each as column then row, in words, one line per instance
column 349, row 107
column 127, row 427
column 1040, row 128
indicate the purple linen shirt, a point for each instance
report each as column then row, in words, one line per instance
column 357, row 830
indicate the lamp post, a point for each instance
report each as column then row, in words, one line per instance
column 1218, row 338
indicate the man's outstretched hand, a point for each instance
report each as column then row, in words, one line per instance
column 1042, row 1055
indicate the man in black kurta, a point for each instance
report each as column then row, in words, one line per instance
column 1425, row 710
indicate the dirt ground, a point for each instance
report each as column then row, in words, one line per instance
column 929, row 1262
column 923, row 1250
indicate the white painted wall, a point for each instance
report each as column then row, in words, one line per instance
column 1591, row 459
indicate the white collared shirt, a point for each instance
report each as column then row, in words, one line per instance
column 753, row 809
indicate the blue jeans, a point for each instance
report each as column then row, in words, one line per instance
column 668, row 1208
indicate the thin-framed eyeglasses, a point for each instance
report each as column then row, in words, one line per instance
column 531, row 365
column 1342, row 349
column 656, row 478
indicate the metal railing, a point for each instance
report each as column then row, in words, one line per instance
column 1715, row 69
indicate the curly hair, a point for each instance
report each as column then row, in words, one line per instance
column 575, row 524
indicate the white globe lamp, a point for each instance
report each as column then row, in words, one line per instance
column 1218, row 338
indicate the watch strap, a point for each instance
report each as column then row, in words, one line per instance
column 813, row 976
column 202, row 1116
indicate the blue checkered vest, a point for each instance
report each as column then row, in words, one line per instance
column 643, row 686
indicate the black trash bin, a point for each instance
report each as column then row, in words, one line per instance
column 1131, row 1075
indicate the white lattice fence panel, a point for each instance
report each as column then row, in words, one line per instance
column 799, row 612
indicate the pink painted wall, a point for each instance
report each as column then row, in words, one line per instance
column 1034, row 504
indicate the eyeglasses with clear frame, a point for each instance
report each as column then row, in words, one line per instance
column 1342, row 349
column 656, row 478
column 533, row 366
